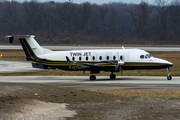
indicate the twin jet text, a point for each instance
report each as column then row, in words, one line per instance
column 80, row 53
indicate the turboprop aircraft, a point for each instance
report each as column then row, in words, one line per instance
column 111, row 60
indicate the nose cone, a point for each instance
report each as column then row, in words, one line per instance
column 169, row 64
column 164, row 63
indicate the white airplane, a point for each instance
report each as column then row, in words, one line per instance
column 111, row 60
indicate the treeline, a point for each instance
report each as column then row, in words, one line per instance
column 112, row 23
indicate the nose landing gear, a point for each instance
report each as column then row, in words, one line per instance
column 169, row 77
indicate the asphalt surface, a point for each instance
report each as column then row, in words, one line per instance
column 7, row 66
column 87, row 47
column 102, row 82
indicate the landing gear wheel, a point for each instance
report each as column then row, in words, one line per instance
column 112, row 76
column 169, row 77
column 92, row 77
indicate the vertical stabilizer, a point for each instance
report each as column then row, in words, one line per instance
column 31, row 48
column 36, row 48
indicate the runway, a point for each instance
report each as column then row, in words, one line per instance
column 102, row 82
column 12, row 47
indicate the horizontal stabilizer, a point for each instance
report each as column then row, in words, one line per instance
column 11, row 37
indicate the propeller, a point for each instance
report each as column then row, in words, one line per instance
column 118, row 66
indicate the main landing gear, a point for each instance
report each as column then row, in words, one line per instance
column 169, row 77
column 112, row 76
column 93, row 77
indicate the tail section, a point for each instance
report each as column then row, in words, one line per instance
column 31, row 48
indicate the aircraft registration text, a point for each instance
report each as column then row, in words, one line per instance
column 73, row 67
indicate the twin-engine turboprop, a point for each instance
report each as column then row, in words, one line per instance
column 111, row 60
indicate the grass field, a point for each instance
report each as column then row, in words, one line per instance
column 173, row 57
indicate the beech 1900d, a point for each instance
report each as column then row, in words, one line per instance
column 111, row 60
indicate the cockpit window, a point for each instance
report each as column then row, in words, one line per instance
column 142, row 56
column 148, row 56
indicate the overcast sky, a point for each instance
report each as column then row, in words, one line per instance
column 96, row 1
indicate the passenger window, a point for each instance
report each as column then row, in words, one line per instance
column 86, row 58
column 107, row 57
column 93, row 57
column 114, row 57
column 80, row 58
column 121, row 57
column 73, row 58
column 142, row 56
column 100, row 57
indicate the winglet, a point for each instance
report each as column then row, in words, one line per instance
column 123, row 47
column 11, row 38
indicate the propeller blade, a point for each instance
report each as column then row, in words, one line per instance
column 118, row 66
column 121, row 69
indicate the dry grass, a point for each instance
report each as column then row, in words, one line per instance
column 170, row 94
column 13, row 54
column 170, row 56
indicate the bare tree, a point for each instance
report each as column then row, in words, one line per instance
column 139, row 14
column 162, row 10
column 10, row 15
column 174, row 15
column 72, row 23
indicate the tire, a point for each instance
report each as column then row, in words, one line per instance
column 169, row 77
column 92, row 77
column 113, row 76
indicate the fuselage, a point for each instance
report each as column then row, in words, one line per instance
column 134, row 59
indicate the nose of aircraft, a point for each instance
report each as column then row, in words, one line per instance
column 164, row 62
column 167, row 63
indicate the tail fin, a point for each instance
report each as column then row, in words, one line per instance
column 31, row 48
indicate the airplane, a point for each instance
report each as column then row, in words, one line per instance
column 110, row 60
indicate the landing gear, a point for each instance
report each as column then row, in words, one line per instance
column 169, row 77
column 112, row 76
column 92, row 77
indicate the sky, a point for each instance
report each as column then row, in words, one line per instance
column 96, row 1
